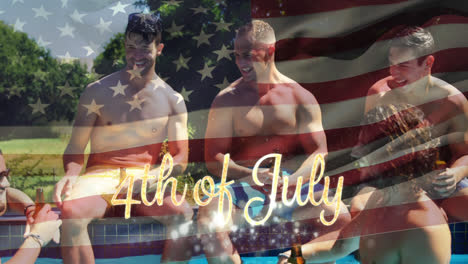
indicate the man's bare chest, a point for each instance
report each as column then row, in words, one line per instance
column 265, row 119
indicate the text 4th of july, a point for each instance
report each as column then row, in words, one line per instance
column 212, row 191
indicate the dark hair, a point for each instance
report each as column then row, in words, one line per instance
column 149, row 26
column 416, row 38
column 409, row 143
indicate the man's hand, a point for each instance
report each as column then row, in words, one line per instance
column 445, row 183
column 266, row 177
column 63, row 187
column 29, row 213
column 46, row 224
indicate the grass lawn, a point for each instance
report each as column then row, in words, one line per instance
column 23, row 153
column 48, row 150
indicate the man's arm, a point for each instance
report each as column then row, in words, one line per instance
column 178, row 135
column 218, row 139
column 310, row 132
column 446, row 182
column 374, row 94
column 17, row 200
column 73, row 158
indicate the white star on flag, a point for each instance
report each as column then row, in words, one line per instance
column 16, row 1
column 103, row 26
column 180, row 98
column 203, row 38
column 206, row 71
column 18, row 26
column 135, row 73
column 185, row 94
column 41, row 12
column 66, row 31
column 67, row 58
column 77, row 17
column 174, row 29
column 223, row 53
column 41, row 42
column 135, row 103
column 1, row 12
column 199, row 9
column 181, row 62
column 222, row 25
column 172, row 3
column 64, row 3
column 14, row 91
column 158, row 83
column 66, row 89
column 93, row 108
column 38, row 107
column 118, row 89
column 119, row 8
column 223, row 85
column 89, row 50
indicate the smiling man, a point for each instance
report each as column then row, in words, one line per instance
column 262, row 112
column 410, row 81
column 126, row 117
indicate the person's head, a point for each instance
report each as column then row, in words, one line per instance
column 405, row 135
column 254, row 48
column 4, row 183
column 143, row 41
column 410, row 55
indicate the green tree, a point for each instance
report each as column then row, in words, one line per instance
column 29, row 73
column 112, row 58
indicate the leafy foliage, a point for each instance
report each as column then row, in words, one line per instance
column 28, row 72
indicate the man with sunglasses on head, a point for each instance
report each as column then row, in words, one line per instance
column 126, row 116
column 39, row 229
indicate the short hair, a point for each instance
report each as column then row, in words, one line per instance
column 418, row 39
column 406, row 126
column 149, row 26
column 261, row 31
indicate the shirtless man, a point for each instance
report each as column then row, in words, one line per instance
column 263, row 112
column 411, row 81
column 126, row 116
column 398, row 222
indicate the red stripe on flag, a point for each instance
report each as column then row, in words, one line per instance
column 450, row 60
column 268, row 8
column 303, row 47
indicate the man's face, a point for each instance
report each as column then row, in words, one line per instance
column 404, row 66
column 3, row 185
column 141, row 54
column 251, row 57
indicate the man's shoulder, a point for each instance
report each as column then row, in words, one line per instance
column 97, row 88
column 228, row 96
column 176, row 100
column 452, row 93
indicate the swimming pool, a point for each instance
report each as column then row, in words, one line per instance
column 456, row 259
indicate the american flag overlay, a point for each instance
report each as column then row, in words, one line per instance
column 336, row 50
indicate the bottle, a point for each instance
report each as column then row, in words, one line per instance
column 40, row 201
column 39, row 204
column 296, row 254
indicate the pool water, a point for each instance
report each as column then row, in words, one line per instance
column 456, row 259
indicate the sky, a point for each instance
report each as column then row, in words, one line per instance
column 69, row 28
